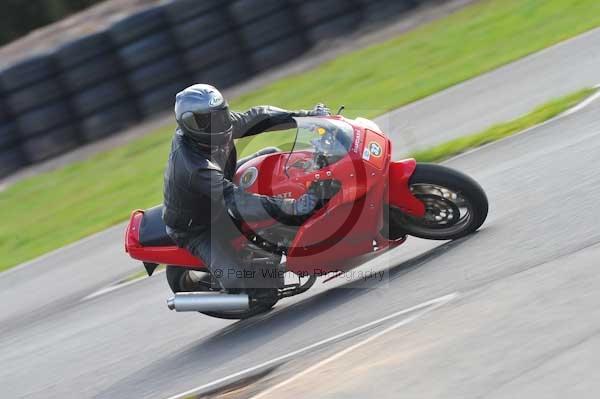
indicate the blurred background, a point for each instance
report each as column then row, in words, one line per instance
column 86, row 96
column 87, row 87
column 93, row 68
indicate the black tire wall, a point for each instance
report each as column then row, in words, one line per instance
column 11, row 155
column 101, row 83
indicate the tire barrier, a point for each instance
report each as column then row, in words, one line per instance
column 278, row 52
column 4, row 116
column 9, row 135
column 91, row 72
column 101, row 96
column 154, row 75
column 208, row 44
column 375, row 11
column 28, row 85
column 209, row 53
column 108, row 120
column 201, row 28
column 27, row 72
column 84, row 49
column 148, row 49
column 248, row 11
column 35, row 97
column 268, row 28
column 325, row 19
column 313, row 12
column 47, row 131
column 105, row 81
column 11, row 160
column 151, row 58
column 94, row 77
column 161, row 98
column 225, row 73
column 39, row 93
column 340, row 25
column 137, row 26
column 182, row 10
column 39, row 119
column 270, row 31
column 11, row 155
column 50, row 142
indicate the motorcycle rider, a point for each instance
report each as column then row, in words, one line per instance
column 199, row 196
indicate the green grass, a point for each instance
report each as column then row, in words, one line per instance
column 435, row 56
column 52, row 209
column 540, row 114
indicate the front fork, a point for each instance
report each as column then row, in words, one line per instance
column 399, row 194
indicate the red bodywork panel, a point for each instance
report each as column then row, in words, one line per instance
column 170, row 255
column 399, row 193
column 340, row 235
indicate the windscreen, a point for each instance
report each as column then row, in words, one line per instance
column 329, row 140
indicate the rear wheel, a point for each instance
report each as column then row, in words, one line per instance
column 456, row 205
column 181, row 279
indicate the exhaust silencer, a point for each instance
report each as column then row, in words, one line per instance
column 208, row 302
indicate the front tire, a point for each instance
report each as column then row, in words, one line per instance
column 456, row 205
column 181, row 279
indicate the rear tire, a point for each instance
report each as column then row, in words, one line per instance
column 456, row 204
column 182, row 279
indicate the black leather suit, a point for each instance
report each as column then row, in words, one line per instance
column 200, row 198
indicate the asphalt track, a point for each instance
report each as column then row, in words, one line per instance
column 499, row 96
column 521, row 319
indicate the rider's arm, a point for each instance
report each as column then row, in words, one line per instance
column 250, row 207
column 247, row 206
column 262, row 118
column 226, row 195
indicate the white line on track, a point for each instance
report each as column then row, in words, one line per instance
column 582, row 104
column 115, row 287
column 424, row 308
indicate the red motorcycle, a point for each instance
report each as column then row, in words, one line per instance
column 368, row 204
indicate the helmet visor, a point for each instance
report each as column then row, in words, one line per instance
column 215, row 122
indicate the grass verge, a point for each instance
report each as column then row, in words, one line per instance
column 53, row 209
column 538, row 115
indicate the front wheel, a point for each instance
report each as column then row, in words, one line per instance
column 455, row 204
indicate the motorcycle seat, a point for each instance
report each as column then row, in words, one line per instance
column 153, row 231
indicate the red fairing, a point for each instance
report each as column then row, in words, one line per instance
column 340, row 235
column 399, row 192
column 351, row 221
column 170, row 255
column 132, row 231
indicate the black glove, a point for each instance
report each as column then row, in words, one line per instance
column 302, row 206
column 319, row 110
